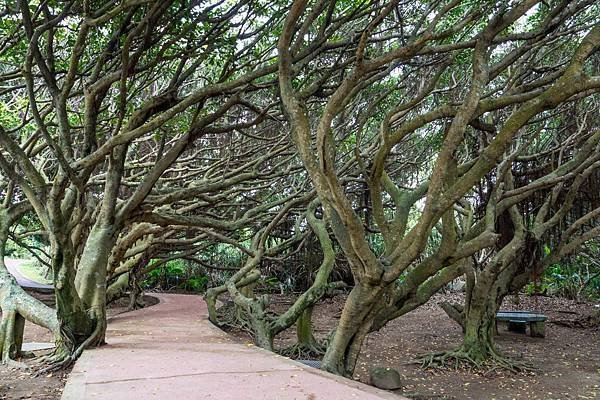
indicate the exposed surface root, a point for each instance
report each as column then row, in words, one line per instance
column 59, row 359
column 62, row 358
column 230, row 318
column 462, row 359
column 304, row 351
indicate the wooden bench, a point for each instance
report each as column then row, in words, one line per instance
column 518, row 320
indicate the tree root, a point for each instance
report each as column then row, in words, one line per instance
column 58, row 360
column 462, row 359
column 62, row 358
column 302, row 351
column 228, row 317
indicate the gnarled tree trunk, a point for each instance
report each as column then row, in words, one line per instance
column 16, row 305
column 361, row 308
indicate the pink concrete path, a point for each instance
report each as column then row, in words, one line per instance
column 171, row 351
column 13, row 265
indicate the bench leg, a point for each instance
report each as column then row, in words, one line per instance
column 18, row 330
column 517, row 326
column 537, row 329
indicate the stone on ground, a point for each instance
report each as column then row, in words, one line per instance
column 386, row 378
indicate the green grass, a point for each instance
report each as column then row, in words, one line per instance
column 32, row 271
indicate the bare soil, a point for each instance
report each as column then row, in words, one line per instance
column 24, row 384
column 568, row 359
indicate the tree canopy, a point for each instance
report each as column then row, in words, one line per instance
column 386, row 147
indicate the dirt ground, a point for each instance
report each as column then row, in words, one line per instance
column 23, row 384
column 568, row 359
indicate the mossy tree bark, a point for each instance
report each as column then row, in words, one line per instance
column 16, row 305
column 263, row 324
column 480, row 317
column 360, row 310
column 304, row 330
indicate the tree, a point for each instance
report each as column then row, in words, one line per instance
column 109, row 97
column 143, row 132
column 377, row 297
column 16, row 305
column 538, row 226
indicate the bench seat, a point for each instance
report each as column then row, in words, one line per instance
column 517, row 320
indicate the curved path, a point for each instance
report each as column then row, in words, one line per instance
column 13, row 267
column 171, row 351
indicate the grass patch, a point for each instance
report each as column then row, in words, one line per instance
column 31, row 270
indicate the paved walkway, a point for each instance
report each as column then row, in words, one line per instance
column 13, row 265
column 171, row 351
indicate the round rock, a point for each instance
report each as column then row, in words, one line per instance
column 385, row 378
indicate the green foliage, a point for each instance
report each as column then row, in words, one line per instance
column 575, row 279
column 175, row 274
column 195, row 284
column 226, row 255
column 269, row 283
column 168, row 271
column 13, row 250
